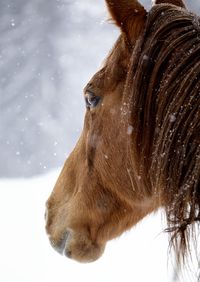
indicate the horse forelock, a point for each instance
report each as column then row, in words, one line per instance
column 163, row 97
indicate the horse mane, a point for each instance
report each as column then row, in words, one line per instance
column 163, row 99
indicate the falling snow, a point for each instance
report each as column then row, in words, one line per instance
column 145, row 58
column 130, row 130
column 172, row 118
column 44, row 65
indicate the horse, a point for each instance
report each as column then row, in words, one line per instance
column 140, row 145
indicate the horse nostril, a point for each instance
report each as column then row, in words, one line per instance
column 58, row 247
column 61, row 245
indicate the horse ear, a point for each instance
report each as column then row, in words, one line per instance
column 129, row 15
column 178, row 3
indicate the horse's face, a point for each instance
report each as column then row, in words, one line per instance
column 94, row 199
column 89, row 203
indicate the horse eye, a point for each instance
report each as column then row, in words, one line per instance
column 91, row 100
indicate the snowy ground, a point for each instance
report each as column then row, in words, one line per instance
column 26, row 256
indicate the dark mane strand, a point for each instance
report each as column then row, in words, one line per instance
column 163, row 94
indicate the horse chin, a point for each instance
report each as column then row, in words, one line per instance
column 78, row 247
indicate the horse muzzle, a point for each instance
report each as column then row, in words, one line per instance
column 61, row 245
column 77, row 246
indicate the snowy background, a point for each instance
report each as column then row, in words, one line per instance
column 48, row 51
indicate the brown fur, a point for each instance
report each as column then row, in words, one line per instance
column 129, row 16
column 140, row 147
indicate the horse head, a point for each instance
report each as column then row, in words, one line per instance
column 105, row 187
